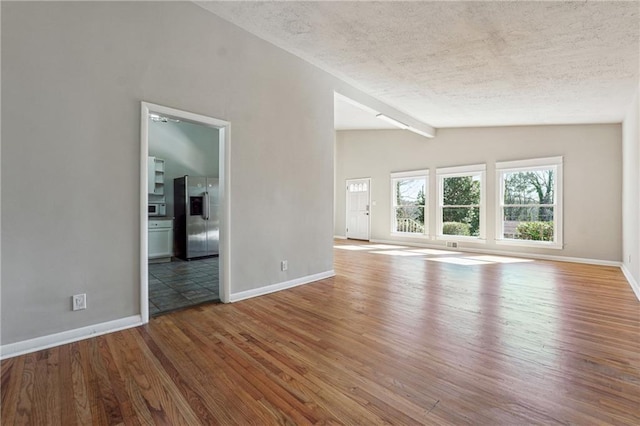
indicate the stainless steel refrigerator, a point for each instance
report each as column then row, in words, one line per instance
column 197, row 213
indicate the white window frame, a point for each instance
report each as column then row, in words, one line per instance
column 461, row 171
column 422, row 174
column 504, row 167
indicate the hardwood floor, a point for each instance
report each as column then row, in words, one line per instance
column 399, row 336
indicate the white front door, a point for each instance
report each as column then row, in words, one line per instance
column 358, row 208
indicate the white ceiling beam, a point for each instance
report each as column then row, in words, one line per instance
column 369, row 103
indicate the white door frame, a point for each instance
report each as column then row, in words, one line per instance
column 224, row 128
column 368, row 203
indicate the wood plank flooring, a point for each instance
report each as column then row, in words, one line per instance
column 399, row 336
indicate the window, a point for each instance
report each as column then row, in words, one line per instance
column 529, row 202
column 461, row 202
column 358, row 187
column 409, row 193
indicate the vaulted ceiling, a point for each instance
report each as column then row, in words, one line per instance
column 458, row 64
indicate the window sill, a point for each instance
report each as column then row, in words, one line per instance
column 461, row 238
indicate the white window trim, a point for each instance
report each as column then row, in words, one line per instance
column 534, row 163
column 527, row 165
column 460, row 171
column 403, row 175
column 413, row 173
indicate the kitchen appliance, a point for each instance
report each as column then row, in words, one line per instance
column 157, row 209
column 197, row 212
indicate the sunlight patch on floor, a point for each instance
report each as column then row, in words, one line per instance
column 384, row 246
column 501, row 259
column 354, row 248
column 443, row 256
column 397, row 253
column 466, row 261
column 434, row 251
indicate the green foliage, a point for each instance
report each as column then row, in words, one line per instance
column 410, row 201
column 535, row 187
column 537, row 231
column 462, row 191
column 421, row 202
column 456, row 228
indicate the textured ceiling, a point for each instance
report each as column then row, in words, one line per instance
column 455, row 64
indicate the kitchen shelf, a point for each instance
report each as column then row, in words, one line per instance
column 155, row 176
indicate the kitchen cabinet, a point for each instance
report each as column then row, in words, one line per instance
column 160, row 239
column 155, row 175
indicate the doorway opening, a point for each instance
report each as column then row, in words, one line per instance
column 184, row 193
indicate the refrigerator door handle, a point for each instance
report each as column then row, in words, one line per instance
column 206, row 206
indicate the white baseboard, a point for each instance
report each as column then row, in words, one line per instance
column 507, row 253
column 281, row 286
column 632, row 282
column 69, row 336
column 339, row 237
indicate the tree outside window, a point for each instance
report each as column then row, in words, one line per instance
column 461, row 205
column 409, row 201
column 529, row 204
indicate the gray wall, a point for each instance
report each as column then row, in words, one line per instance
column 73, row 76
column 187, row 149
column 592, row 177
column 631, row 190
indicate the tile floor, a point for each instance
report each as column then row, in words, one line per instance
column 178, row 284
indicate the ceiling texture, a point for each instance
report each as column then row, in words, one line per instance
column 462, row 64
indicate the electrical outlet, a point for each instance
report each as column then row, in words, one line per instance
column 452, row 244
column 79, row 301
column 284, row 265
